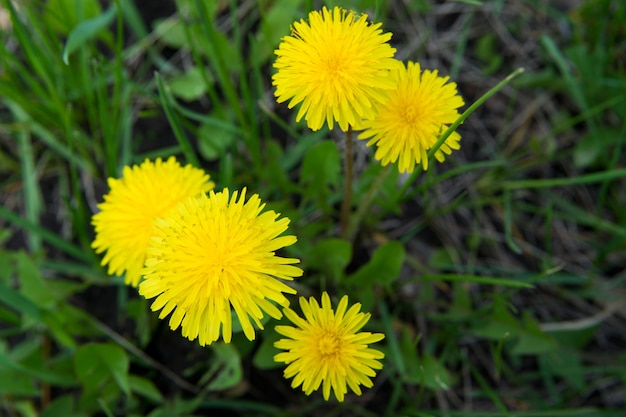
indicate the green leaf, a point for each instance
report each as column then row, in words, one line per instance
column 32, row 284
column 595, row 146
column 532, row 340
column 59, row 331
column 171, row 32
column 178, row 407
column 273, row 26
column 383, row 268
column 424, row 370
column 63, row 15
column 189, row 86
column 87, row 30
column 18, row 302
column 500, row 325
column 331, row 256
column 6, row 266
column 15, row 383
column 436, row 376
column 213, row 142
column 9, row 362
column 529, row 338
column 96, row 364
column 567, row 364
column 225, row 369
column 321, row 165
column 145, row 388
column 264, row 356
column 62, row 406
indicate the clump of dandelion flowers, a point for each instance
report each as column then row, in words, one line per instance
column 416, row 112
column 215, row 254
column 144, row 193
column 337, row 65
column 326, row 348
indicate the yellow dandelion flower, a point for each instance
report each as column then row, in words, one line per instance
column 336, row 65
column 415, row 113
column 146, row 192
column 326, row 348
column 211, row 254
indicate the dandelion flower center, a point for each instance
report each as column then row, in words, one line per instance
column 329, row 346
column 410, row 115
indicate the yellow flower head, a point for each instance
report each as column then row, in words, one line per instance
column 212, row 253
column 416, row 112
column 326, row 348
column 144, row 193
column 336, row 65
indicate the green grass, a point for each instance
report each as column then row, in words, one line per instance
column 497, row 276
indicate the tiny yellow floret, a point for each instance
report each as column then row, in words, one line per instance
column 214, row 255
column 336, row 65
column 326, row 348
column 144, row 193
column 415, row 113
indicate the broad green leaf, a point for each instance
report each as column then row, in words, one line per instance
column 190, row 85
column 56, row 327
column 87, row 30
column 15, row 383
column 595, row 146
column 178, row 407
column 6, row 266
column 32, row 284
column 145, row 388
column 18, row 302
column 62, row 406
column 274, row 172
column 96, row 364
column 435, row 375
column 500, row 325
column 213, row 142
column 170, row 31
column 273, row 26
column 531, row 339
column 567, row 364
column 221, row 45
column 487, row 52
column 321, row 165
column 225, row 368
column 331, row 256
column 422, row 369
column 383, row 268
column 8, row 362
column 264, row 356
column 24, row 408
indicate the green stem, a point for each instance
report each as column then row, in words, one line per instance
column 461, row 119
column 367, row 202
column 346, row 204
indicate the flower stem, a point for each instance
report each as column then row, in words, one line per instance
column 365, row 204
column 346, row 204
